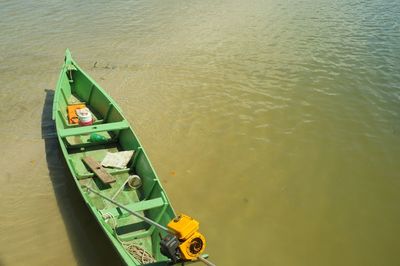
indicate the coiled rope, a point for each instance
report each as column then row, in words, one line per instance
column 145, row 219
column 139, row 253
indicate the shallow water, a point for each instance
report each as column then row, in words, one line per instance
column 275, row 124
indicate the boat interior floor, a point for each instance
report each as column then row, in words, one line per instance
column 84, row 152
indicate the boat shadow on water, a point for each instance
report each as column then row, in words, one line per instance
column 88, row 243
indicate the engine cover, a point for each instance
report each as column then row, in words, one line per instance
column 191, row 242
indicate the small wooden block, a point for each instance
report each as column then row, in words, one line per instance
column 99, row 170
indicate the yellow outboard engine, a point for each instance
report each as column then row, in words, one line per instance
column 187, row 244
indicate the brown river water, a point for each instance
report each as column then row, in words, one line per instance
column 276, row 124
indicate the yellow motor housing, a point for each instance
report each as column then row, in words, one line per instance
column 192, row 243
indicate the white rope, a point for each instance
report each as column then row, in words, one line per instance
column 137, row 252
column 108, row 216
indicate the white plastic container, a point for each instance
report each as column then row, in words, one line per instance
column 84, row 116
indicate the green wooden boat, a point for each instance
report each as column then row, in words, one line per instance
column 135, row 240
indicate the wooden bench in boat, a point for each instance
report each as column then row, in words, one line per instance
column 92, row 129
column 136, row 207
column 82, row 172
column 98, row 170
column 128, row 232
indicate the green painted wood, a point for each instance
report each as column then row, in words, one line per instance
column 92, row 129
column 75, row 85
column 99, row 170
column 136, row 207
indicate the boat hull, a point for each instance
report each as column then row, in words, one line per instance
column 123, row 230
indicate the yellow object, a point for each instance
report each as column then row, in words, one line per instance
column 192, row 243
column 72, row 116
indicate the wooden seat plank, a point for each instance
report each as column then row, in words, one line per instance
column 136, row 207
column 99, row 170
column 74, row 131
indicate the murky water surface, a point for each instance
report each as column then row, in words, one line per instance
column 274, row 123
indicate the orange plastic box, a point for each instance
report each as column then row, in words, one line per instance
column 72, row 116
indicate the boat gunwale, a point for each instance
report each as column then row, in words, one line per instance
column 125, row 255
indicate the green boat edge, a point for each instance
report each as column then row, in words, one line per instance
column 61, row 92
